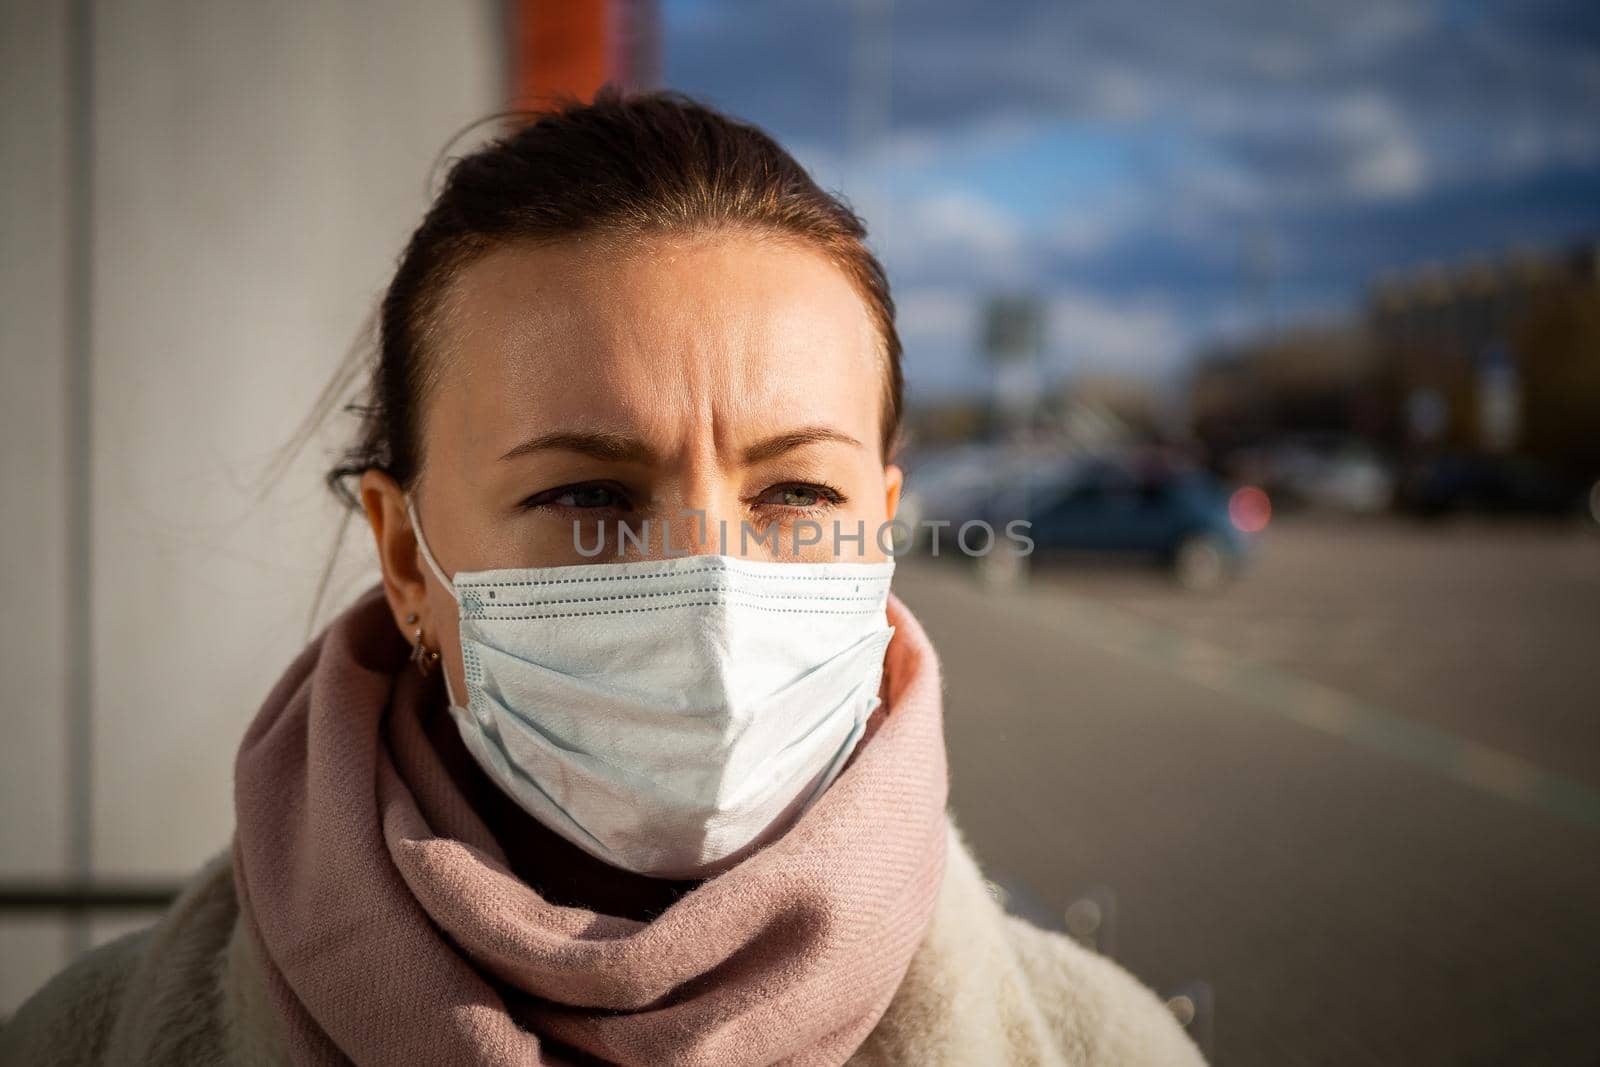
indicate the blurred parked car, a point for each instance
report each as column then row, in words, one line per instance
column 959, row 484
column 1177, row 517
column 1328, row 473
column 1463, row 482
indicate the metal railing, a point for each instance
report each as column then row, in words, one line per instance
column 74, row 897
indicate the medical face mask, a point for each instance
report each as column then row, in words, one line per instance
column 668, row 716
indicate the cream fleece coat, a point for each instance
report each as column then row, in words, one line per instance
column 983, row 988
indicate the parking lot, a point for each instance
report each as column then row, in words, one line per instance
column 1353, row 800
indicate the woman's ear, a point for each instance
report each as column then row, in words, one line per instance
column 893, row 479
column 396, row 541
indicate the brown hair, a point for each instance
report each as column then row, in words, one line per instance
column 624, row 165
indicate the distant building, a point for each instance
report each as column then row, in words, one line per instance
column 1485, row 356
column 1497, row 355
column 1313, row 379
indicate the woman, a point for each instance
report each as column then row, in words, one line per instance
column 632, row 757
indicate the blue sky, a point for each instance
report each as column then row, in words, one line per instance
column 1163, row 175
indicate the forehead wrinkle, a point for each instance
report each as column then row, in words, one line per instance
column 695, row 377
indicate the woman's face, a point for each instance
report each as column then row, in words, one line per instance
column 723, row 390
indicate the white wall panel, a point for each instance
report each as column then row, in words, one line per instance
column 33, row 499
column 257, row 170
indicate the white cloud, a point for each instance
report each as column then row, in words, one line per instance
column 1383, row 157
column 933, row 314
column 1280, row 57
column 1140, row 336
column 959, row 225
column 1116, row 93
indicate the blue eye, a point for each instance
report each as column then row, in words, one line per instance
column 801, row 496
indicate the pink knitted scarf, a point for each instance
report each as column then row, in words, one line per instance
column 387, row 919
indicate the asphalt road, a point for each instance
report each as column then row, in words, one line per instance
column 1352, row 801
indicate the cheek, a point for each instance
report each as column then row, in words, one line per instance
column 447, row 638
column 868, row 508
column 869, row 501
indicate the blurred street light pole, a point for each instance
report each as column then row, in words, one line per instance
column 1013, row 340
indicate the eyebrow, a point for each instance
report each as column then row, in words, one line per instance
column 614, row 447
column 776, row 446
column 620, row 448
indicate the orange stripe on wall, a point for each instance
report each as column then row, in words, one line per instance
column 558, row 48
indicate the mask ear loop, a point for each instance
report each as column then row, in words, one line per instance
column 427, row 556
column 438, row 572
